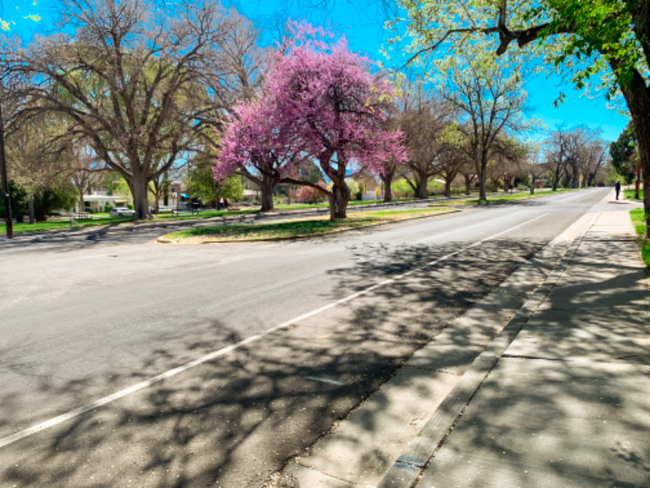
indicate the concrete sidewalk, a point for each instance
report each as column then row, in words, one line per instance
column 567, row 403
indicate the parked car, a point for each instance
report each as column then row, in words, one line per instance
column 122, row 212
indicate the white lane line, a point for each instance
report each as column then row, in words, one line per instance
column 591, row 194
column 208, row 357
column 481, row 223
column 325, row 380
column 509, row 230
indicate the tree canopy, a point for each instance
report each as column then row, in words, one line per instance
column 142, row 83
column 582, row 40
column 321, row 99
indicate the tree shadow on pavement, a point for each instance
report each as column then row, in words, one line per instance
column 567, row 405
column 235, row 420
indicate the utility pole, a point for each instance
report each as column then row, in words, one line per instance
column 5, row 184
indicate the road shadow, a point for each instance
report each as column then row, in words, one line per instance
column 567, row 405
column 234, row 420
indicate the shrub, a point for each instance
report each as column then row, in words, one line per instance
column 308, row 194
column 108, row 208
column 402, row 189
column 130, row 206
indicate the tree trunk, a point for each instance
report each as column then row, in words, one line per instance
column 638, row 178
column 138, row 184
column 267, row 185
column 448, row 186
column 637, row 97
column 4, row 182
column 556, row 180
column 32, row 215
column 338, row 199
column 482, row 178
column 468, row 183
column 590, row 179
column 158, row 189
column 166, row 189
column 388, row 188
column 81, row 200
column 423, row 192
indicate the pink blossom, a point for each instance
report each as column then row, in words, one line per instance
column 320, row 102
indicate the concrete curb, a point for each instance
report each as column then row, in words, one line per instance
column 164, row 240
column 411, row 465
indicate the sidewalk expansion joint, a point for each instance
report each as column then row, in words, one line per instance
column 517, row 356
column 296, row 460
column 422, row 368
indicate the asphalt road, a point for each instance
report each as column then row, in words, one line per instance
column 86, row 317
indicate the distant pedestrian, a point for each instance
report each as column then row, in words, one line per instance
column 617, row 186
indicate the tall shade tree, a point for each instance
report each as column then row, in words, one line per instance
column 424, row 120
column 338, row 110
column 37, row 161
column 571, row 154
column 134, row 78
column 509, row 163
column 624, row 154
column 584, row 39
column 490, row 101
column 594, row 157
column 449, row 164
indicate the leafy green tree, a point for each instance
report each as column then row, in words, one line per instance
column 49, row 200
column 490, row 100
column 18, row 199
column 210, row 191
column 582, row 39
column 140, row 80
column 623, row 152
column 402, row 189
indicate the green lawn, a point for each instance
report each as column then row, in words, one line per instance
column 629, row 194
column 293, row 229
column 204, row 214
column 63, row 224
column 638, row 220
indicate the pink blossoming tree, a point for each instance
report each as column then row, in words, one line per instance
column 259, row 144
column 321, row 103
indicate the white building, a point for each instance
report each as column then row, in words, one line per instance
column 98, row 200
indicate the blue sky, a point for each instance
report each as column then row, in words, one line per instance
column 365, row 33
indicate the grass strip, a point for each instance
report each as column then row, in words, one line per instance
column 204, row 214
column 63, row 224
column 639, row 222
column 629, row 194
column 293, row 229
